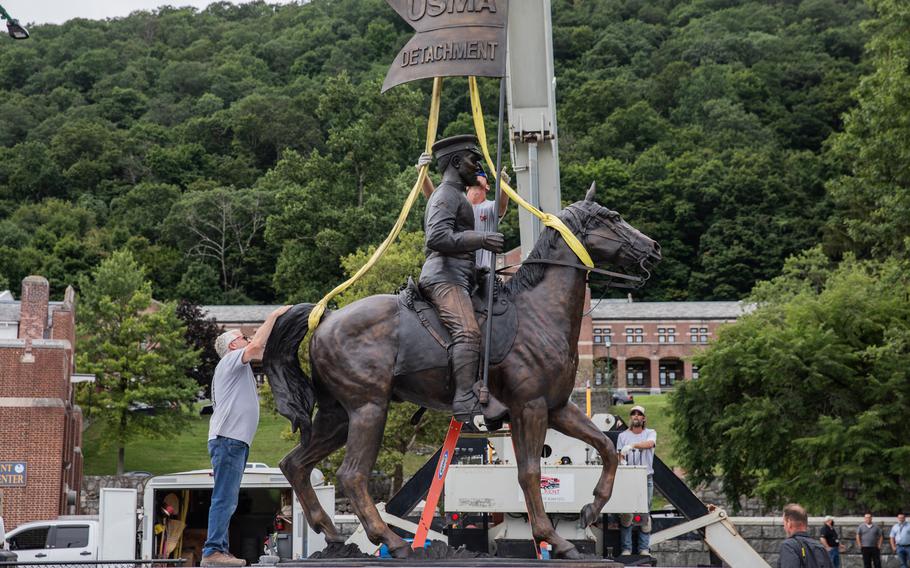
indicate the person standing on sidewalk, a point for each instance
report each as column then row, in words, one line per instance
column 831, row 541
column 231, row 430
column 869, row 539
column 900, row 540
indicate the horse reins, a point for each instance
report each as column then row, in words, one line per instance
column 635, row 281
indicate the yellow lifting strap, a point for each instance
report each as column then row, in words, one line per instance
column 549, row 220
column 432, row 125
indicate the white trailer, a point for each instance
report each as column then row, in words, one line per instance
column 265, row 497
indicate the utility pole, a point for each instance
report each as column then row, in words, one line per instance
column 531, row 90
column 15, row 30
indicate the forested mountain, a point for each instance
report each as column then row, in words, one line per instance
column 240, row 151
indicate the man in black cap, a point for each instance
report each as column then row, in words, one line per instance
column 448, row 275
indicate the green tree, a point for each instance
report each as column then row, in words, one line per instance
column 872, row 195
column 201, row 333
column 138, row 353
column 803, row 399
column 223, row 228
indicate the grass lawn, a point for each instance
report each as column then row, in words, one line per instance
column 188, row 450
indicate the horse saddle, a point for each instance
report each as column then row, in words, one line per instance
column 423, row 341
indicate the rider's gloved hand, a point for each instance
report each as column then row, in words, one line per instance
column 425, row 159
column 504, row 176
column 493, row 242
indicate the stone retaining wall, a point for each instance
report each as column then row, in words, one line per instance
column 713, row 494
column 92, row 485
column 765, row 534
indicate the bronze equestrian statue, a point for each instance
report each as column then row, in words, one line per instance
column 356, row 374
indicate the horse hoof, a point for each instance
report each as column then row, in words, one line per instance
column 568, row 554
column 588, row 515
column 401, row 551
column 335, row 539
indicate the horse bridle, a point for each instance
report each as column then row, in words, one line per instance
column 634, row 282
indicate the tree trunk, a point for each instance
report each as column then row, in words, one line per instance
column 121, row 445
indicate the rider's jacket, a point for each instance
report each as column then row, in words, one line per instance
column 450, row 237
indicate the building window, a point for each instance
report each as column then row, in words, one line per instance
column 668, row 373
column 635, row 374
column 603, row 336
column 635, row 335
column 666, row 335
column 698, row 335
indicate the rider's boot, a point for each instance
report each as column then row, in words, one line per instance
column 493, row 410
column 465, row 360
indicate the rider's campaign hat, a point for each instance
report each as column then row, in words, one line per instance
column 454, row 144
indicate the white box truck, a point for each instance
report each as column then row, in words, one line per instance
column 267, row 507
column 111, row 535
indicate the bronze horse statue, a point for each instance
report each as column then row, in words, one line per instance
column 352, row 356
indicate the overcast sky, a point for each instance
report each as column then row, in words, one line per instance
column 59, row 11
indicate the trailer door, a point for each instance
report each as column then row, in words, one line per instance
column 300, row 528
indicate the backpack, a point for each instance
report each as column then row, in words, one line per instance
column 810, row 552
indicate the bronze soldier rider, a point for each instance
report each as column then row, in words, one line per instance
column 448, row 276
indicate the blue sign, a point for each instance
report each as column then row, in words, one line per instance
column 443, row 461
column 13, row 474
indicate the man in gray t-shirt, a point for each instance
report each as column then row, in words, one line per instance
column 869, row 539
column 231, row 429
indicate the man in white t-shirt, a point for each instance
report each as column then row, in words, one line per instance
column 636, row 446
column 235, row 400
column 483, row 207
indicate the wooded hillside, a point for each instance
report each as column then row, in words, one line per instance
column 240, row 151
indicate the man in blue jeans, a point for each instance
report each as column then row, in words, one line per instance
column 830, row 539
column 636, row 446
column 235, row 400
column 900, row 540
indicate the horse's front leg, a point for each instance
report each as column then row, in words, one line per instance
column 529, row 430
column 367, row 424
column 571, row 421
column 330, row 431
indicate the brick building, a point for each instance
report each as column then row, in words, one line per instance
column 648, row 345
column 40, row 426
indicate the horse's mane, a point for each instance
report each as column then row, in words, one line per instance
column 530, row 275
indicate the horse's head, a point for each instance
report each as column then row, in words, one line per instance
column 609, row 239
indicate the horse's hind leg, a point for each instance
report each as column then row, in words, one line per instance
column 365, row 437
column 571, row 421
column 330, row 431
column 529, row 430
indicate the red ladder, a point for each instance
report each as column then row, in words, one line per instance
column 442, row 468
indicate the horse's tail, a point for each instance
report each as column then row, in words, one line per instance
column 292, row 388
